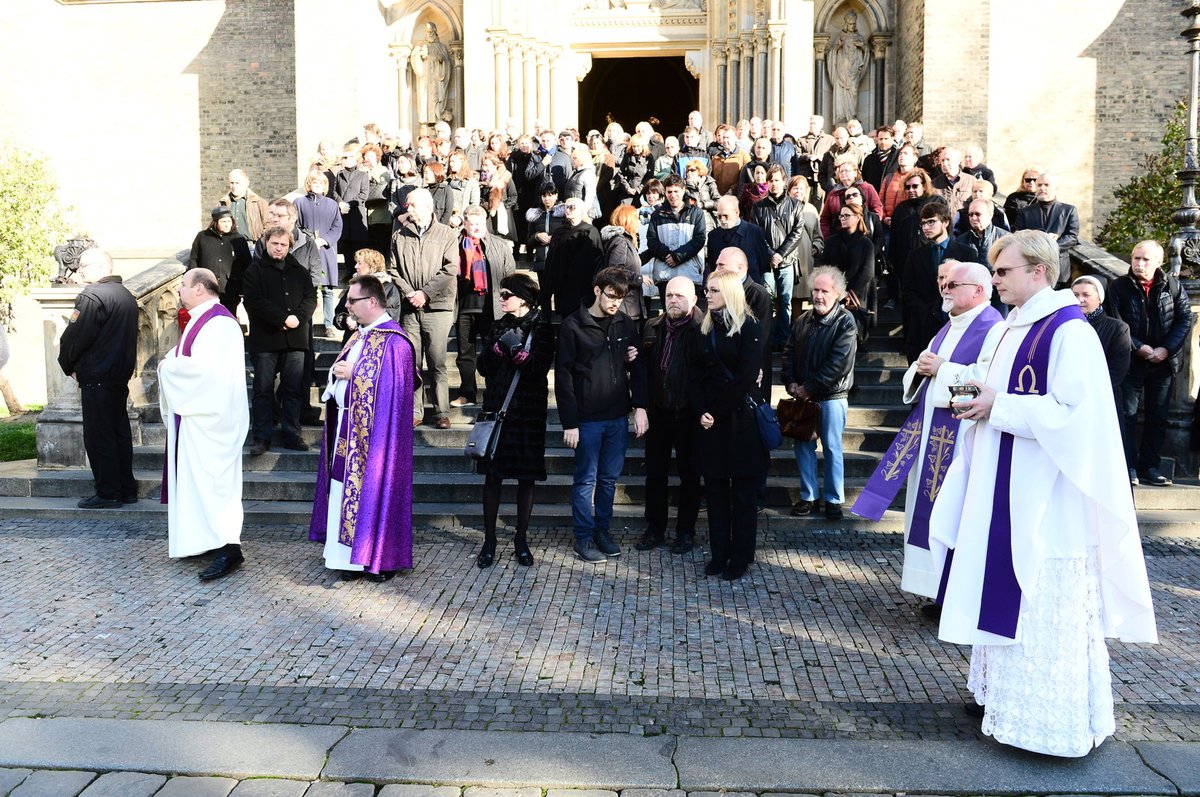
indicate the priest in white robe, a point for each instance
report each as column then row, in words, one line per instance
column 202, row 393
column 928, row 440
column 1047, row 559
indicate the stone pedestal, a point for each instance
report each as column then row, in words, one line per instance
column 60, row 425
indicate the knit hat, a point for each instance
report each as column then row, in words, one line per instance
column 1094, row 281
column 522, row 286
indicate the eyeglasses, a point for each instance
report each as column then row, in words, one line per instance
column 359, row 299
column 712, row 290
column 846, row 216
column 611, row 297
column 950, row 286
column 975, row 215
column 1003, row 272
column 927, row 222
column 853, row 196
column 572, row 206
column 914, row 187
column 1029, row 179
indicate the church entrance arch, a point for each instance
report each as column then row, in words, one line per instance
column 632, row 89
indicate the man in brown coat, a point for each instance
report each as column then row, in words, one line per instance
column 248, row 208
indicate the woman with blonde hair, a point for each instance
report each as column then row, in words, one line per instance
column 733, row 459
column 620, row 239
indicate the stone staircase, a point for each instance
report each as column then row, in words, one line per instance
column 278, row 486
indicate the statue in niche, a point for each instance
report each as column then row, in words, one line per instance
column 846, row 60
column 681, row 5
column 432, row 68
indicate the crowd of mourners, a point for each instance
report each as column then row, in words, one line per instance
column 658, row 275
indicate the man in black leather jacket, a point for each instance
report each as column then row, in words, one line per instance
column 818, row 365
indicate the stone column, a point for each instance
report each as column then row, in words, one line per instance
column 543, row 83
column 734, row 73
column 516, row 88
column 400, row 52
column 879, row 47
column 719, row 58
column 500, row 46
column 820, row 45
column 762, row 86
column 530, row 72
column 746, row 95
column 775, row 75
column 457, row 85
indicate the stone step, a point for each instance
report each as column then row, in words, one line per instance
column 627, row 519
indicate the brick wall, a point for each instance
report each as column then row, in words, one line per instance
column 956, row 59
column 910, row 55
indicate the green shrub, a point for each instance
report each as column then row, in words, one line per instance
column 31, row 225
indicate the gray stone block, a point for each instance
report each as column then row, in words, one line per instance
column 1178, row 761
column 820, row 765
column 329, row 789
column 546, row 760
column 11, row 778
column 653, row 793
column 580, row 793
column 270, row 787
column 125, row 784
column 187, row 786
column 419, row 790
column 173, row 747
column 484, row 791
column 53, row 783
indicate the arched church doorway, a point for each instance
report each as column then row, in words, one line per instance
column 631, row 90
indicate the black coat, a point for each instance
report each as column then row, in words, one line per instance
column 574, row 256
column 1016, row 202
column 726, row 375
column 1062, row 223
column 272, row 292
column 352, row 187
column 923, row 315
column 854, row 254
column 782, row 223
column 226, row 256
column 669, row 389
column 1162, row 319
column 750, row 239
column 521, row 450
column 631, row 177
column 1114, row 339
column 820, row 353
column 593, row 380
column 906, row 230
column 878, row 165
column 99, row 345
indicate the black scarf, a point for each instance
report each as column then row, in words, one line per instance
column 673, row 327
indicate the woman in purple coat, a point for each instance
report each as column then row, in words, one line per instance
column 320, row 216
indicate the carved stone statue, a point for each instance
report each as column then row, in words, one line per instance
column 67, row 256
column 846, row 60
column 433, row 69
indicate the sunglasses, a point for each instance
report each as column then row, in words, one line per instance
column 504, row 295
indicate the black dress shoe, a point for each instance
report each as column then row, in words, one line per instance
column 381, row 576
column 351, row 575
column 649, row 542
column 225, row 563
column 524, row 557
column 96, row 502
column 714, row 568
column 296, row 444
column 259, row 447
column 129, row 499
column 733, row 572
column 973, row 709
column 682, row 545
column 485, row 558
column 803, row 508
column 932, row 611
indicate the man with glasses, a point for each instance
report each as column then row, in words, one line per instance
column 598, row 379
column 733, row 231
column 972, row 328
column 1022, row 198
column 1037, row 501
column 571, row 259
column 362, row 510
column 1058, row 219
column 923, row 315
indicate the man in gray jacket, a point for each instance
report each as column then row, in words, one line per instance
column 424, row 264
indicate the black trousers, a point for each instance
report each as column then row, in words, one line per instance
column 732, row 519
column 108, row 439
column 468, row 329
column 670, row 430
column 290, row 367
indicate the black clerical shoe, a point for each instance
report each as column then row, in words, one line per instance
column 295, row 444
column 973, row 709
column 259, row 447
column 714, row 568
column 932, row 611
column 381, row 576
column 351, row 575
column 733, row 572
column 129, row 499
column 487, row 555
column 683, row 544
column 649, row 541
column 229, row 559
column 96, row 502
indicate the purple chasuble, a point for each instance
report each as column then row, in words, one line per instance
column 183, row 348
column 372, row 450
column 1000, row 600
column 893, row 469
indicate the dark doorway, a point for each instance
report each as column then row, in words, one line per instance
column 631, row 90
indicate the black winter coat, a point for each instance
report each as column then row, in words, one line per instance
column 1162, row 319
column 781, row 221
column 574, row 256
column 593, row 381
column 820, row 354
column 631, row 177
column 352, row 187
column 521, row 450
column 273, row 291
column 99, row 345
column 854, row 254
column 1114, row 339
column 727, row 374
column 226, row 256
column 670, row 390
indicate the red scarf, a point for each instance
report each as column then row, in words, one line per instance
column 474, row 266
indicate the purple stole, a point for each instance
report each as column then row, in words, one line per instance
column 183, row 348
column 893, row 469
column 1000, row 600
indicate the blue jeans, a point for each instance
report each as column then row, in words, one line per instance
column 833, row 423
column 329, row 300
column 598, row 461
column 781, row 283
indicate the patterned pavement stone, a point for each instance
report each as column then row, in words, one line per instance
column 653, row 793
column 484, row 791
column 125, row 784
column 816, row 642
column 270, row 787
column 11, row 778
column 54, row 783
column 330, row 789
column 418, row 790
column 187, row 786
column 580, row 793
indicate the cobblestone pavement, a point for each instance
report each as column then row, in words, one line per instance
column 817, row 641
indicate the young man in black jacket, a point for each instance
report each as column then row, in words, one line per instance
column 279, row 297
column 597, row 380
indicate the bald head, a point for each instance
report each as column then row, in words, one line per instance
column 729, row 215
column 965, row 287
column 94, row 265
column 199, row 285
column 680, row 297
column 733, row 260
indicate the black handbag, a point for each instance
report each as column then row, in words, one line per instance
column 485, row 434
